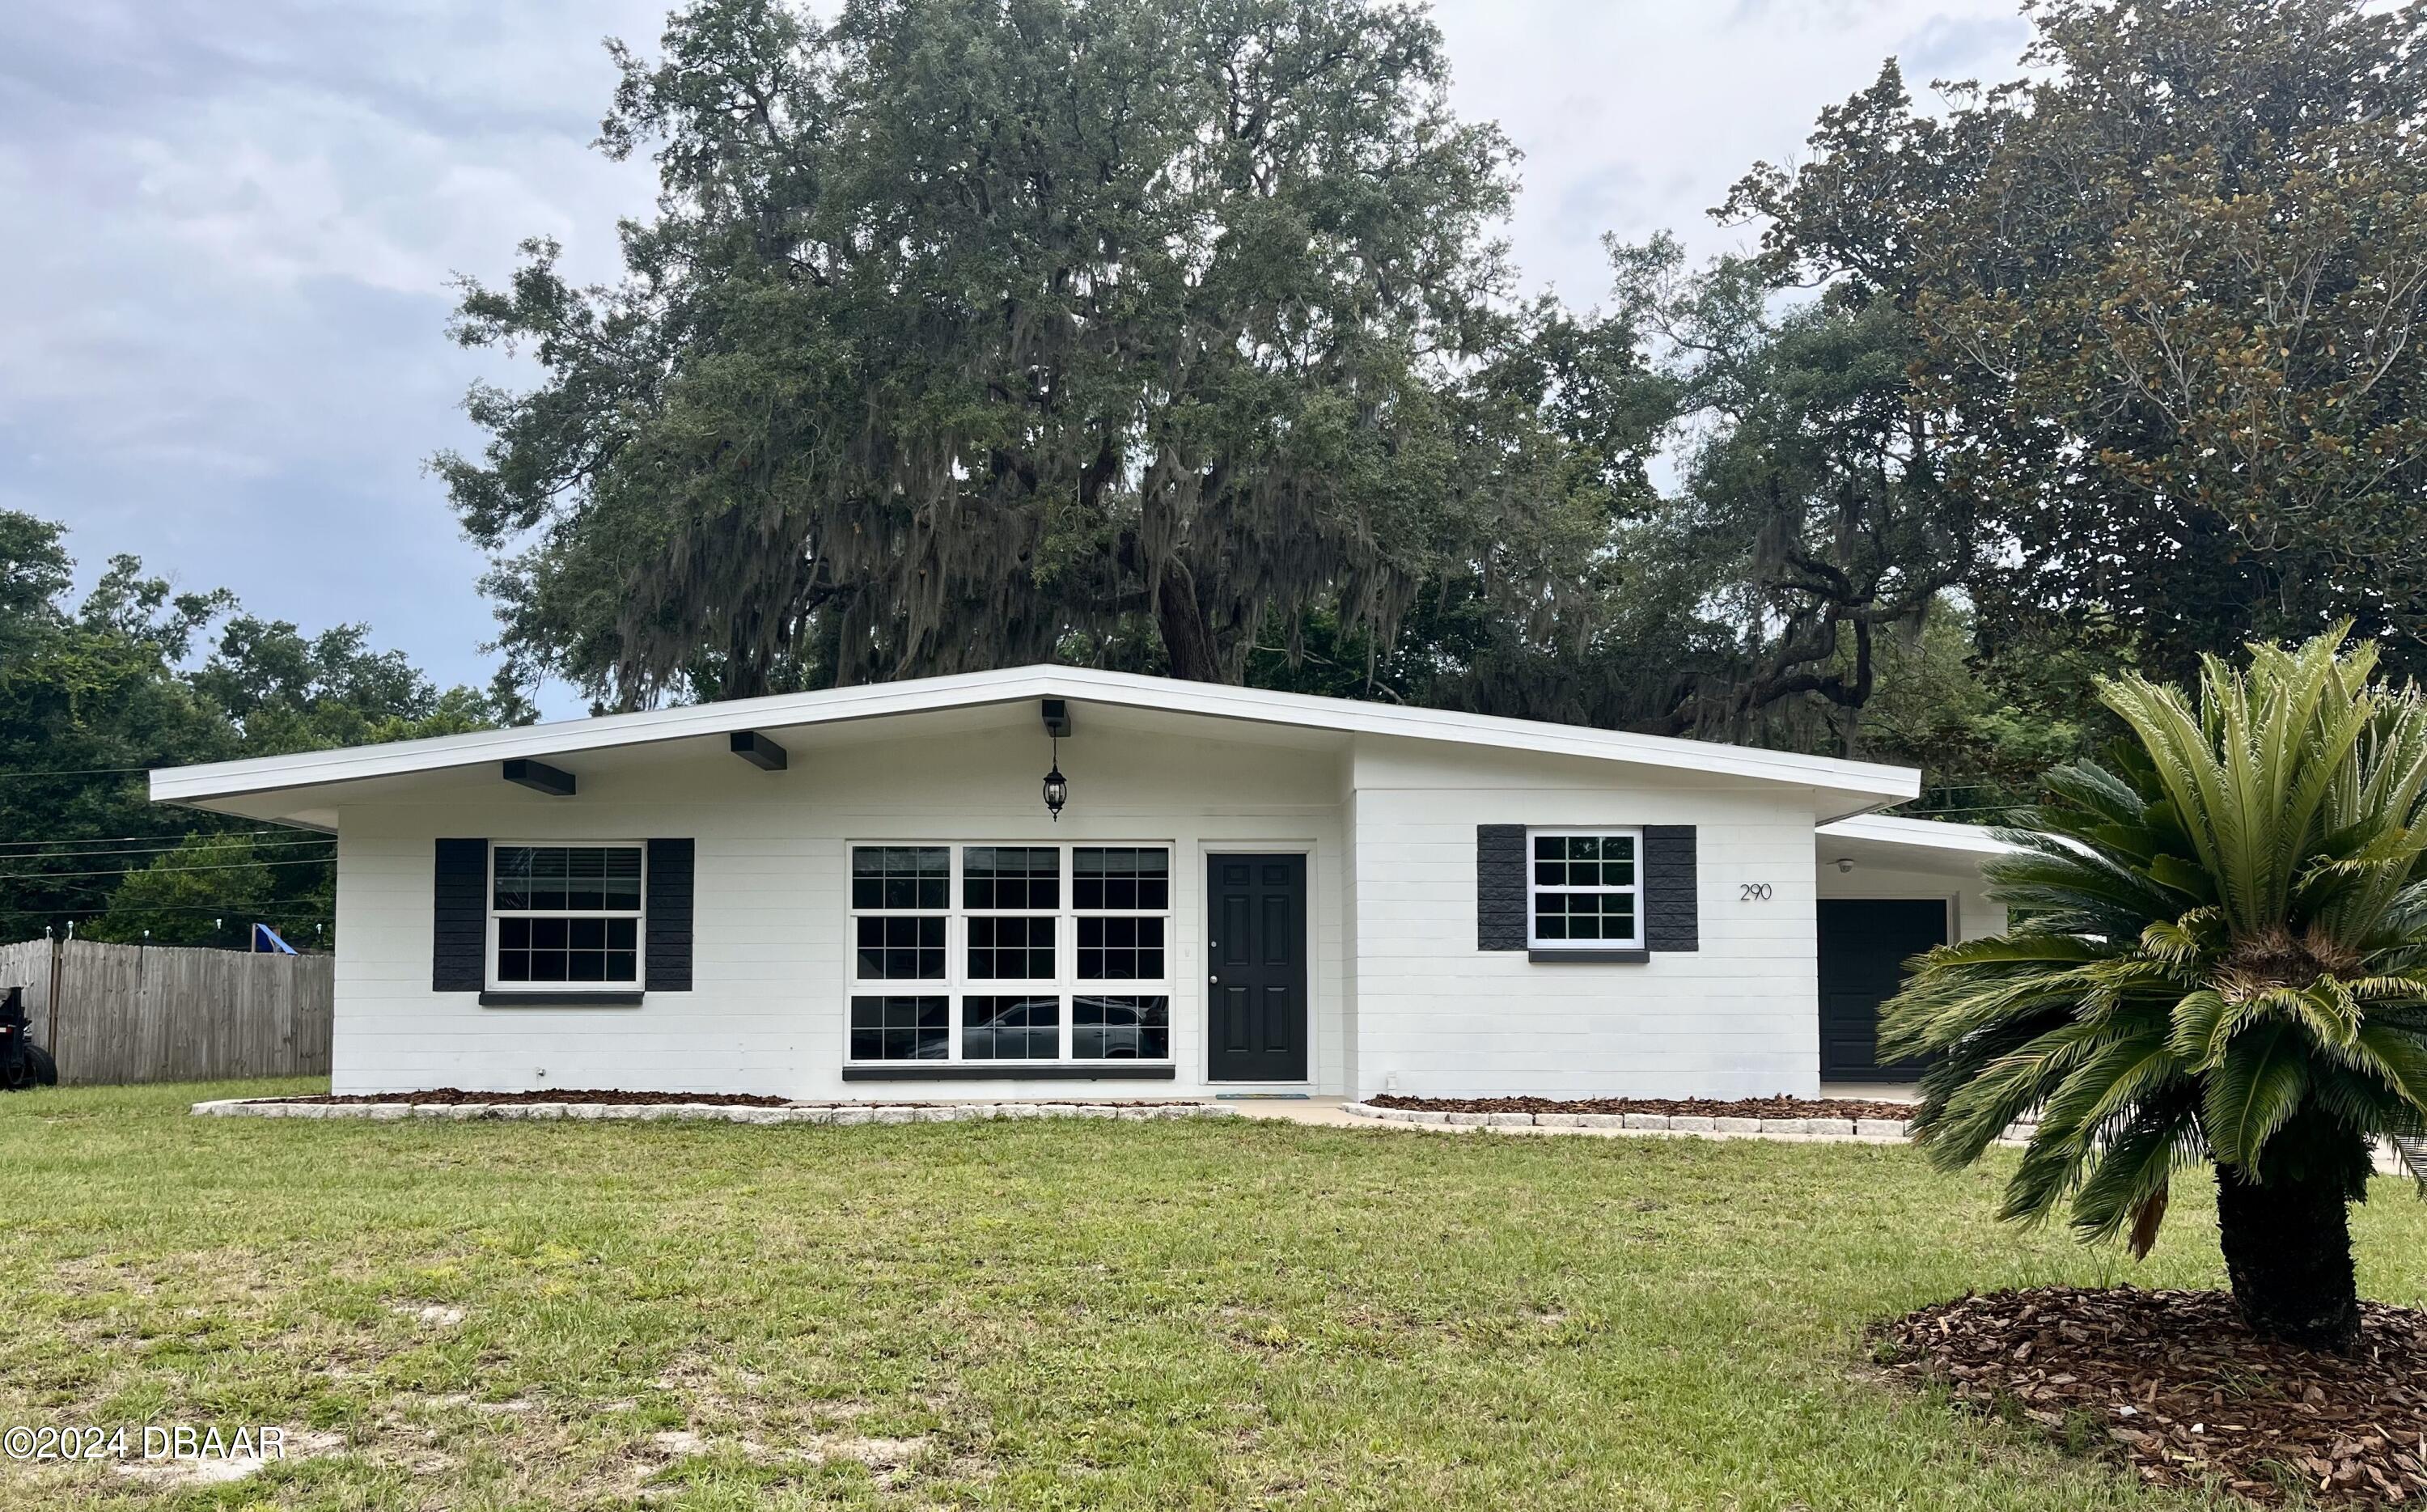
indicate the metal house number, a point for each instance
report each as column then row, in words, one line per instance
column 1752, row 892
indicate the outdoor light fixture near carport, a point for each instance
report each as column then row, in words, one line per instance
column 1057, row 787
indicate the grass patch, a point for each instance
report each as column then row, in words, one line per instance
column 1020, row 1314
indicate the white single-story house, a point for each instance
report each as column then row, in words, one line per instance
column 862, row 893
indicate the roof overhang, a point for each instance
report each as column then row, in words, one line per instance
column 1840, row 786
column 1908, row 844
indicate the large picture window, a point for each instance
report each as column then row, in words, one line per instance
column 1584, row 889
column 1019, row 952
column 562, row 913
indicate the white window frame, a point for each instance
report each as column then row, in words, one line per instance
column 640, row 917
column 956, row 985
column 1534, row 889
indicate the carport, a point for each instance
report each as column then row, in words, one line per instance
column 1888, row 889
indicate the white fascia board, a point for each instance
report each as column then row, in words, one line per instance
column 795, row 710
column 1935, row 835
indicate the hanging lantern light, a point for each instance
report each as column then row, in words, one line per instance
column 1057, row 787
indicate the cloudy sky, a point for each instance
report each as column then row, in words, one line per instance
column 230, row 231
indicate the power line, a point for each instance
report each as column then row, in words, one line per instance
column 237, row 910
column 165, row 848
column 160, row 871
column 156, row 852
column 83, row 772
column 112, row 839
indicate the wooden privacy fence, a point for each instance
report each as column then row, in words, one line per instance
column 150, row 1013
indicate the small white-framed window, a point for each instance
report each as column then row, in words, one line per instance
column 565, row 915
column 1584, row 889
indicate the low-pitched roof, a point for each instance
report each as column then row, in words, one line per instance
column 1928, row 833
column 1862, row 785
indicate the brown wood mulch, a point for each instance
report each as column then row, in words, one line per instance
column 452, row 1096
column 455, row 1096
column 1692, row 1107
column 2183, row 1390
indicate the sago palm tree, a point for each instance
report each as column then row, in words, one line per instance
column 2217, row 952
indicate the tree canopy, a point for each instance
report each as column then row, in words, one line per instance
column 2165, row 294
column 135, row 675
column 1176, row 337
column 970, row 332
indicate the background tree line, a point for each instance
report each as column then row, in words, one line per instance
column 1175, row 337
column 97, row 690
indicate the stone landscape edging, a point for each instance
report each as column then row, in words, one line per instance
column 1863, row 1130
column 841, row 1114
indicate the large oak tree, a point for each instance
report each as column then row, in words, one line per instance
column 968, row 332
column 2169, row 291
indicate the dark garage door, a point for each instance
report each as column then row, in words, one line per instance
column 1863, row 945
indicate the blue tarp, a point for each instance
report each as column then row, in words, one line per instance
column 265, row 942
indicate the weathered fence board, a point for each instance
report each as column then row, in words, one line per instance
column 28, row 966
column 128, row 1013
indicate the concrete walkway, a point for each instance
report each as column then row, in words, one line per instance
column 1322, row 1112
column 1328, row 1113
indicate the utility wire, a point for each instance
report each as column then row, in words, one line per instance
column 83, row 772
column 159, row 871
column 138, row 850
column 235, row 908
column 111, row 839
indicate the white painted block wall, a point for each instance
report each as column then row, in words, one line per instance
column 1737, row 1017
column 767, row 1013
column 1970, row 913
column 1397, row 986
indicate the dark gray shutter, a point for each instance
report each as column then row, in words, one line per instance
column 1672, row 901
column 1500, row 886
column 666, row 952
column 459, row 936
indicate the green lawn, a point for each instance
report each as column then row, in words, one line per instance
column 1065, row 1314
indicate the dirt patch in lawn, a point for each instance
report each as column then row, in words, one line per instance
column 2188, row 1394
column 1781, row 1107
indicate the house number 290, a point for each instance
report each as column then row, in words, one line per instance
column 1752, row 892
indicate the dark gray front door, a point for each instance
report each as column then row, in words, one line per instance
column 1255, row 918
column 1863, row 945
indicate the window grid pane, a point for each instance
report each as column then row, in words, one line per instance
column 900, row 1029
column 1133, row 878
column 1011, row 949
column 1120, row 1029
column 901, row 876
column 1011, row 877
column 567, row 879
column 1583, row 860
column 1121, row 950
column 568, row 950
column 901, row 946
column 1011, row 1029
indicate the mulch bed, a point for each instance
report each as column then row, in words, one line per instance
column 455, row 1096
column 1691, row 1107
column 451, row 1097
column 2183, row 1390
